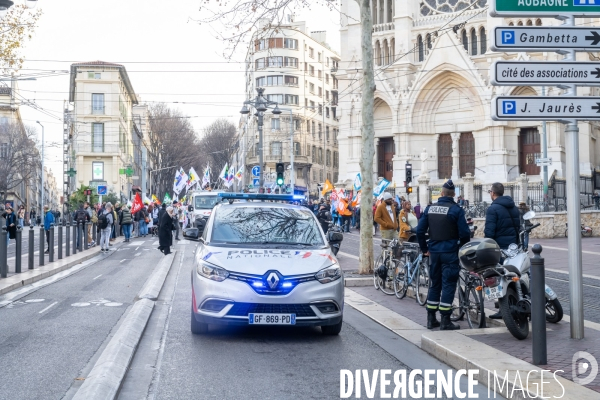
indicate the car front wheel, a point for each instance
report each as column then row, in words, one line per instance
column 332, row 330
column 198, row 328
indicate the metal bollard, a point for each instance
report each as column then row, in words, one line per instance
column 51, row 244
column 538, row 307
column 42, row 246
column 3, row 254
column 60, row 241
column 95, row 233
column 81, row 239
column 67, row 241
column 18, row 249
column 31, row 247
column 86, row 225
column 74, row 237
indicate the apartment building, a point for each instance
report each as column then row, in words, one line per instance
column 297, row 69
column 142, row 136
column 102, row 126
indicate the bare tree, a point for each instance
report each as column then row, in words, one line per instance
column 174, row 144
column 218, row 145
column 19, row 156
column 241, row 18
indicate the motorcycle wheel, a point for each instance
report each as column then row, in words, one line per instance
column 518, row 327
column 586, row 233
column 554, row 311
column 401, row 280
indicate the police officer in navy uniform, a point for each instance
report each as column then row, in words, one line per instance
column 447, row 226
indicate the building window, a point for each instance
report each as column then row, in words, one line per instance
column 320, row 155
column 320, row 74
column 308, row 150
column 313, row 128
column 327, row 61
column 277, row 98
column 336, row 160
column 4, row 150
column 290, row 44
column 328, row 158
column 97, row 138
column 482, row 40
column 327, row 112
column 320, row 109
column 275, row 62
column 307, row 126
column 291, row 99
column 311, row 70
column 314, row 154
column 305, row 102
column 312, row 105
column 291, row 62
column 260, row 63
column 275, row 148
column 319, row 57
column 297, row 148
column 311, row 88
column 327, row 133
column 473, row 42
column 320, row 91
column 320, row 132
column 296, row 124
column 291, row 80
column 314, row 175
column 420, row 48
column 321, row 175
column 311, row 52
column 465, row 40
column 94, row 75
column 97, row 103
column 275, row 123
column 327, row 95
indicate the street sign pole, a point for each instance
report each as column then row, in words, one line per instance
column 573, row 215
column 545, row 155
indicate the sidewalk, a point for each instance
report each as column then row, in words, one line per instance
column 490, row 349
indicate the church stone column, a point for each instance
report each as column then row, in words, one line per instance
column 469, row 190
column 455, row 161
column 423, row 190
column 522, row 180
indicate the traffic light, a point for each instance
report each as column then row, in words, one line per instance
column 87, row 192
column 409, row 190
column 408, row 173
column 279, row 168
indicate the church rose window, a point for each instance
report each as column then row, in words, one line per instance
column 432, row 7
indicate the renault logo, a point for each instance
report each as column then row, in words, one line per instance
column 273, row 280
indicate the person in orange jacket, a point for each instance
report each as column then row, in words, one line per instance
column 346, row 215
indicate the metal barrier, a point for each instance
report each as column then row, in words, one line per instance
column 30, row 260
column 51, row 244
column 538, row 307
column 18, row 247
column 3, row 254
column 41, row 249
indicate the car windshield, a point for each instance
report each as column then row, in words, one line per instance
column 205, row 202
column 265, row 225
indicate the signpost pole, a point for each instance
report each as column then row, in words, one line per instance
column 545, row 155
column 573, row 215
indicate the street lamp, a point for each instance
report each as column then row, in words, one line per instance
column 260, row 104
column 38, row 122
column 6, row 4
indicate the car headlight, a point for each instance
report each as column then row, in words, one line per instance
column 329, row 274
column 212, row 272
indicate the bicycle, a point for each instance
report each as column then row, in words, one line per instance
column 470, row 301
column 385, row 270
column 414, row 272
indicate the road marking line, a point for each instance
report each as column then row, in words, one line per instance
column 348, row 255
column 137, row 254
column 563, row 249
column 97, row 277
column 49, row 307
column 122, row 260
column 136, row 249
column 564, row 280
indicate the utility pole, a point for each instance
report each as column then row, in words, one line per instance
column 43, row 145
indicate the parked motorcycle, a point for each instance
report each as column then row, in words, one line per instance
column 508, row 283
column 335, row 236
column 586, row 231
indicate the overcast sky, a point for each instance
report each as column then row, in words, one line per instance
column 168, row 57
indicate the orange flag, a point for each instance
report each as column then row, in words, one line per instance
column 327, row 187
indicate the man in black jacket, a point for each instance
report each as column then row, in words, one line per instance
column 502, row 218
column 502, row 222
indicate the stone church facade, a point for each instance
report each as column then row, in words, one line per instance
column 433, row 93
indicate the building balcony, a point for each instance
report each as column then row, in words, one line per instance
column 94, row 148
column 388, row 26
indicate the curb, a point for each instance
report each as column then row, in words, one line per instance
column 154, row 284
column 105, row 379
column 354, row 282
column 47, row 270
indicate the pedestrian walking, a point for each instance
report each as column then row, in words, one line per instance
column 142, row 217
column 11, row 224
column 408, row 222
column 81, row 216
column 446, row 224
column 324, row 217
column 385, row 216
column 105, row 223
column 175, row 216
column 32, row 217
column 48, row 222
column 21, row 216
column 125, row 220
column 345, row 215
column 596, row 199
column 91, row 213
column 165, row 231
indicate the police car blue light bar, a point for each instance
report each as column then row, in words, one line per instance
column 261, row 196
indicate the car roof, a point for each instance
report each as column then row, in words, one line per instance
column 256, row 204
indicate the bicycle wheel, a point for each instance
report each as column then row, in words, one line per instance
column 422, row 288
column 387, row 284
column 474, row 308
column 401, row 280
column 457, row 305
column 586, row 233
column 376, row 279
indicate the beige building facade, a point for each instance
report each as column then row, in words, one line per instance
column 433, row 94
column 296, row 68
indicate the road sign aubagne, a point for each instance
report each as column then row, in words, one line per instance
column 537, row 108
column 531, row 38
column 540, row 73
column 544, row 8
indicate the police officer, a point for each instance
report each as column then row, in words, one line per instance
column 448, row 230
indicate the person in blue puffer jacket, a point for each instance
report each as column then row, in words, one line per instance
column 48, row 222
column 502, row 219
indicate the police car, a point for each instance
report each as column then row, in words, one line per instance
column 265, row 263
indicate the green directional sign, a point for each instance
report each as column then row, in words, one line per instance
column 544, row 8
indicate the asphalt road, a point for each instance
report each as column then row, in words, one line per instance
column 50, row 336
column 255, row 362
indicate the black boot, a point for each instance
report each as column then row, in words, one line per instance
column 447, row 325
column 432, row 321
column 495, row 316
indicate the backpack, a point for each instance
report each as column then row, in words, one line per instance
column 94, row 217
column 103, row 221
column 81, row 216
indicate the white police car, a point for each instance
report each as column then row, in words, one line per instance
column 265, row 263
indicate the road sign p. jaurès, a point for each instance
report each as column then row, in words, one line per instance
column 536, row 108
